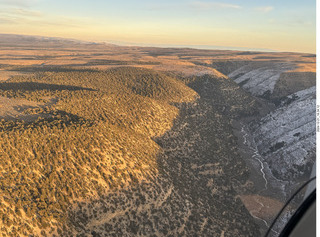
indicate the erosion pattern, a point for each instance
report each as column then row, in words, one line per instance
column 259, row 78
column 285, row 137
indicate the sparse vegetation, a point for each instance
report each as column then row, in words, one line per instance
column 62, row 172
column 96, row 137
column 89, row 147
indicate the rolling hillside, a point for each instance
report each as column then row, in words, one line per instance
column 94, row 154
column 105, row 140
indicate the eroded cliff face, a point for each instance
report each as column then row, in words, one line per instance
column 286, row 136
column 260, row 78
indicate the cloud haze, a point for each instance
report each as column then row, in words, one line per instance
column 213, row 5
column 265, row 9
column 281, row 25
column 18, row 3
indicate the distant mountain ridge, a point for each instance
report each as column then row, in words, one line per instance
column 35, row 40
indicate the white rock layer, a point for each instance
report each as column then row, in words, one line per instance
column 258, row 78
column 286, row 137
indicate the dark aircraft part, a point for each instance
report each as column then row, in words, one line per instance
column 303, row 221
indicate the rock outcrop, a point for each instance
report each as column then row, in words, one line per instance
column 286, row 136
column 259, row 78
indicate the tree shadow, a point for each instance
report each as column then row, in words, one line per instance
column 45, row 68
column 57, row 118
column 35, row 86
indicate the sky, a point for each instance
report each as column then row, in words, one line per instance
column 280, row 25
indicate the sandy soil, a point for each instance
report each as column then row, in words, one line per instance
column 13, row 108
column 5, row 75
column 261, row 206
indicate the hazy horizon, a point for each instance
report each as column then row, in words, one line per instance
column 287, row 26
column 132, row 44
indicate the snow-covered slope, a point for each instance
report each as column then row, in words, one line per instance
column 259, row 77
column 286, row 137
